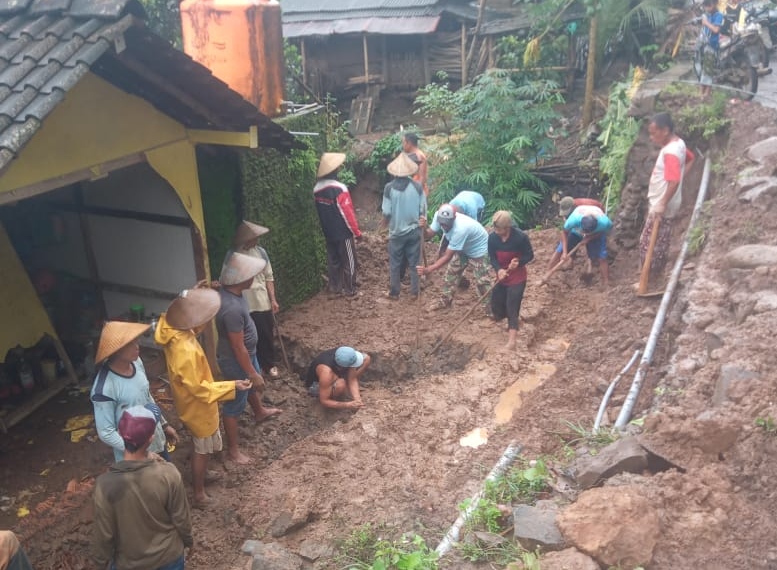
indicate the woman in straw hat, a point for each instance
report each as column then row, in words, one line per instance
column 236, row 349
column 121, row 383
column 338, row 222
column 404, row 203
column 195, row 393
column 262, row 303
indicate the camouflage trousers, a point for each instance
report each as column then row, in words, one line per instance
column 455, row 270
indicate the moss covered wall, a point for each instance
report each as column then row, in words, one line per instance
column 277, row 192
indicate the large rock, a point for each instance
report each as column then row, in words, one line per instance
column 733, row 383
column 762, row 150
column 751, row 256
column 312, row 550
column 614, row 525
column 568, row 559
column 536, row 526
column 624, row 455
column 271, row 556
column 762, row 193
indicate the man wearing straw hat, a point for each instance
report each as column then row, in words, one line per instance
column 236, row 349
column 141, row 515
column 404, row 203
column 338, row 222
column 262, row 303
column 120, row 383
column 195, row 393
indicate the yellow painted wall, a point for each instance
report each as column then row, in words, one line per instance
column 24, row 319
column 98, row 123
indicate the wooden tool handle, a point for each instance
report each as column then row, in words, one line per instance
column 644, row 276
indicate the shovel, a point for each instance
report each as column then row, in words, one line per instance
column 644, row 276
column 283, row 348
column 461, row 320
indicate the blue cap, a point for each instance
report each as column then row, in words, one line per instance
column 348, row 357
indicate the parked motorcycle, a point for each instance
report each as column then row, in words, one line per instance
column 744, row 55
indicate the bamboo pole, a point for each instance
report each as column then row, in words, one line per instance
column 304, row 62
column 463, row 53
column 366, row 60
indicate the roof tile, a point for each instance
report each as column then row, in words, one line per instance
column 60, row 27
column 45, row 6
column 13, row 105
column 89, row 53
column 85, row 29
column 63, row 51
column 7, row 27
column 12, row 74
column 16, row 135
column 38, row 77
column 33, row 27
column 12, row 6
column 41, row 106
column 10, row 48
column 36, row 50
column 97, row 8
column 65, row 79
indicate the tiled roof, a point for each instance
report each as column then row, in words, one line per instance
column 47, row 46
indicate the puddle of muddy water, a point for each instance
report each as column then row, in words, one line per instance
column 475, row 438
column 511, row 399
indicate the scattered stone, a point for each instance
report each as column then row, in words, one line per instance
column 624, row 455
column 762, row 150
column 272, row 556
column 536, row 526
column 716, row 433
column 760, row 192
column 490, row 538
column 370, row 429
column 765, row 301
column 747, row 181
column 614, row 525
column 733, row 383
column 751, row 256
column 312, row 551
column 285, row 523
column 568, row 559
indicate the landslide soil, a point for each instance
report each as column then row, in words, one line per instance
column 399, row 460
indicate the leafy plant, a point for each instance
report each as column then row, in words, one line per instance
column 519, row 484
column 767, row 424
column 697, row 235
column 364, row 549
column 485, row 516
column 477, row 550
column 437, row 101
column 383, row 152
column 501, row 128
column 704, row 118
column 619, row 131
column 164, row 18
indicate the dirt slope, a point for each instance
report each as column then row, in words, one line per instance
column 399, row 460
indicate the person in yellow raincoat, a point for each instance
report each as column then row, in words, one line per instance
column 195, row 393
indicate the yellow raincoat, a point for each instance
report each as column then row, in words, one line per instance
column 195, row 393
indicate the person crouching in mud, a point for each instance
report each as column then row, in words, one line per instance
column 334, row 376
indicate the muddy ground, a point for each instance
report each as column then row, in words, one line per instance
column 399, row 460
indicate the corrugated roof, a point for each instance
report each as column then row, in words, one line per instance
column 394, row 26
column 419, row 12
column 47, row 46
column 340, row 6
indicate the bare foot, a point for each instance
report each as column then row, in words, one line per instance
column 266, row 414
column 239, row 457
column 204, row 498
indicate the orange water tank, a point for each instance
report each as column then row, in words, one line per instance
column 241, row 42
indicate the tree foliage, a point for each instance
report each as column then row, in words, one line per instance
column 499, row 128
column 164, row 18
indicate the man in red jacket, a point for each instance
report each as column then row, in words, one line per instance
column 338, row 222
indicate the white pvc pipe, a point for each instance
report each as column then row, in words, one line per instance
column 611, row 388
column 658, row 322
column 452, row 536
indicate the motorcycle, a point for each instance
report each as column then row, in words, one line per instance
column 743, row 55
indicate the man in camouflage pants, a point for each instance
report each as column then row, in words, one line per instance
column 467, row 245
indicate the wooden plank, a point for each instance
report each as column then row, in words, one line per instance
column 366, row 57
column 86, row 235
column 361, row 113
column 463, row 53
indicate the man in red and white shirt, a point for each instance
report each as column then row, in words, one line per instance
column 338, row 222
column 665, row 189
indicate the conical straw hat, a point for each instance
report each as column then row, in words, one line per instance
column 192, row 308
column 239, row 268
column 116, row 335
column 248, row 231
column 330, row 161
column 402, row 165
